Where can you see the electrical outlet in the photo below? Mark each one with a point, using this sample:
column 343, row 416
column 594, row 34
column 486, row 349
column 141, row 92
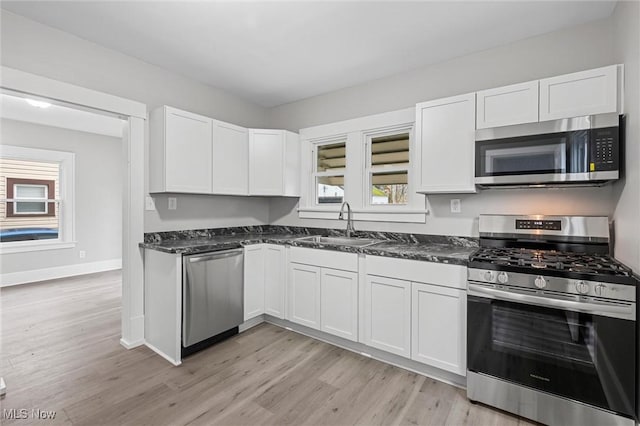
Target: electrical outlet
column 456, row 205
column 173, row 203
column 149, row 203
column 82, row 254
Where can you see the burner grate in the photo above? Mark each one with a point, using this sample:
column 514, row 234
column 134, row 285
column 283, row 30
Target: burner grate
column 551, row 260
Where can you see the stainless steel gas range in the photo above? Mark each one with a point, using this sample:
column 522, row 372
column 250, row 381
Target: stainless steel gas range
column 551, row 321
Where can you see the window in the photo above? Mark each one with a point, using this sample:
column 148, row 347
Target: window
column 366, row 161
column 36, row 189
column 38, row 195
column 330, row 167
column 388, row 169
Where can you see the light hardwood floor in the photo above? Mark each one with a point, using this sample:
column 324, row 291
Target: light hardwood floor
column 61, row 352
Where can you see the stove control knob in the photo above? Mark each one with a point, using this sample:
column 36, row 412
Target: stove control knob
column 540, row 282
column 582, row 287
column 503, row 278
column 489, row 276
column 600, row 289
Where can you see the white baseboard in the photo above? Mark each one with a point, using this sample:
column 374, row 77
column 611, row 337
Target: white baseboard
column 250, row 323
column 162, row 354
column 35, row 275
column 131, row 345
column 362, row 349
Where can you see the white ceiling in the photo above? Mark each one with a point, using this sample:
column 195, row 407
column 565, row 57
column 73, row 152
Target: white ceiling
column 16, row 108
column 278, row 52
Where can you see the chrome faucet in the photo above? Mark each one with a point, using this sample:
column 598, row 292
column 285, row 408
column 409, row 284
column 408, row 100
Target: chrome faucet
column 350, row 229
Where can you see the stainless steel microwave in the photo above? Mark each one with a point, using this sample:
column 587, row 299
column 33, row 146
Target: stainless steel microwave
column 581, row 150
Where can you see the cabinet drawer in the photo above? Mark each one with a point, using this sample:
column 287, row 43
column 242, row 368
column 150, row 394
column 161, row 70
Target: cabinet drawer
column 324, row 258
column 414, row 270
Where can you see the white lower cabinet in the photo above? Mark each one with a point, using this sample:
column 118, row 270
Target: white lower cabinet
column 387, row 315
column 264, row 280
column 425, row 322
column 438, row 327
column 304, row 295
column 254, row 279
column 339, row 303
column 274, row 280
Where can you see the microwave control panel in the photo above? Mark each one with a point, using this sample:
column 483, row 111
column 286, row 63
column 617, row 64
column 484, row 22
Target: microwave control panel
column 604, row 149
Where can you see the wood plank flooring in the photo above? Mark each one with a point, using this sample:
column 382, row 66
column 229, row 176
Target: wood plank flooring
column 61, row 352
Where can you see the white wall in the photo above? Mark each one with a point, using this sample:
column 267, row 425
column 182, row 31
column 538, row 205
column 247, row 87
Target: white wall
column 32, row 47
column 626, row 20
column 98, row 194
column 35, row 48
column 583, row 47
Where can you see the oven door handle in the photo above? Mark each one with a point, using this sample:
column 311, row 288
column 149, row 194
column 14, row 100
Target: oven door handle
column 616, row 310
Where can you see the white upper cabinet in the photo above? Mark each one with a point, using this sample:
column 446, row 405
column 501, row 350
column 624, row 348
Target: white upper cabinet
column 504, row 106
column 581, row 93
column 438, row 327
column 190, row 153
column 445, row 137
column 230, row 159
column 180, row 152
column 274, row 163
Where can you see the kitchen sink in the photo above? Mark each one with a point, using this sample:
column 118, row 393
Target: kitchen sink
column 340, row 241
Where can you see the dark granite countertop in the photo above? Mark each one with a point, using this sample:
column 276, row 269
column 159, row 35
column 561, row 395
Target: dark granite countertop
column 441, row 249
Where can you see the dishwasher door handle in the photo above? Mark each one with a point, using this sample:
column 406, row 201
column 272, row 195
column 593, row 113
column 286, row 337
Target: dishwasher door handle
column 219, row 255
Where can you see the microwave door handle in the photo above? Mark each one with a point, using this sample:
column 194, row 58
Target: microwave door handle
column 623, row 311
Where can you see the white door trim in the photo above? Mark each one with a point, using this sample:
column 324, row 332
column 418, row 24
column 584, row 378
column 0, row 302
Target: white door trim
column 133, row 194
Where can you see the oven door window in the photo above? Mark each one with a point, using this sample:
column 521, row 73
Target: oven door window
column 567, row 338
column 584, row 357
column 556, row 153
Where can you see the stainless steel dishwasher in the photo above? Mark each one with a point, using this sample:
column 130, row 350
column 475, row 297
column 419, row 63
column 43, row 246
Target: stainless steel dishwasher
column 212, row 298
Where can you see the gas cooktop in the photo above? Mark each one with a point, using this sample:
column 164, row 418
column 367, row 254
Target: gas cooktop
column 594, row 267
column 566, row 247
column 551, row 260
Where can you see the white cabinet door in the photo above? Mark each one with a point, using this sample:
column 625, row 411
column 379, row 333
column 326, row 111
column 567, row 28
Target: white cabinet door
column 581, row 93
column 339, row 303
column 187, row 156
column 304, row 295
column 439, row 327
column 387, row 315
column 266, row 170
column 291, row 164
column 253, row 281
column 274, row 280
column 230, row 159
column 504, row 106
column 445, row 138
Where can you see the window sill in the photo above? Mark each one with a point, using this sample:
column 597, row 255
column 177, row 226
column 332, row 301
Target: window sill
column 371, row 215
column 28, row 246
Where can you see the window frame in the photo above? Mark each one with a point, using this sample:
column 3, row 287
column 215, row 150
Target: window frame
column 315, row 174
column 357, row 181
column 370, row 169
column 13, row 183
column 66, row 200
